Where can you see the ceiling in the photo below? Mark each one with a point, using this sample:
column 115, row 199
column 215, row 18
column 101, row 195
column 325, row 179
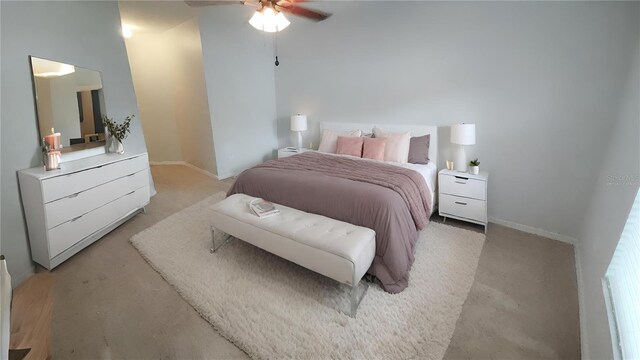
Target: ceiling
column 155, row 16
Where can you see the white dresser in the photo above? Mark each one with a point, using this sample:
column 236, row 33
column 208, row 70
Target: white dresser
column 463, row 196
column 70, row 208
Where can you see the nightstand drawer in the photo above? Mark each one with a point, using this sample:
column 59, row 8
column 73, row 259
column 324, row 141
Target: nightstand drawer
column 462, row 207
column 460, row 185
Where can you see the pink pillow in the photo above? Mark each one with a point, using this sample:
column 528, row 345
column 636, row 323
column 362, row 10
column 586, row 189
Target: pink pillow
column 349, row 146
column 374, row 148
column 329, row 139
column 397, row 148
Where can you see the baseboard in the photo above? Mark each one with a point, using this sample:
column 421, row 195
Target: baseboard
column 16, row 280
column 535, row 231
column 167, row 162
column 202, row 171
column 189, row 165
column 226, row 176
column 584, row 345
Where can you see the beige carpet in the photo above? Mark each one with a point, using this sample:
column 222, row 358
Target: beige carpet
column 271, row 308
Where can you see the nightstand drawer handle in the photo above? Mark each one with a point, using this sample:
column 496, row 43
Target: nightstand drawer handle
column 460, row 203
column 460, row 182
column 460, row 177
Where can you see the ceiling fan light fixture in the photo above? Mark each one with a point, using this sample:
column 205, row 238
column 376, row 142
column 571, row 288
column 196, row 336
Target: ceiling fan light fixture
column 281, row 21
column 268, row 20
column 269, row 24
column 257, row 20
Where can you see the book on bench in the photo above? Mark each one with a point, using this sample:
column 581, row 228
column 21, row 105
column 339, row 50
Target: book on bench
column 263, row 208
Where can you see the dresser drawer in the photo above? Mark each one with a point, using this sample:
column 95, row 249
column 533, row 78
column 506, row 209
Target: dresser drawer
column 71, row 232
column 463, row 207
column 61, row 186
column 461, row 185
column 74, row 205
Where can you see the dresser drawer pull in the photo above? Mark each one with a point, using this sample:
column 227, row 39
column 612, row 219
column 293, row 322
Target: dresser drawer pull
column 460, row 182
column 76, row 218
column 460, row 203
column 130, row 175
column 73, row 195
column 130, row 193
column 461, row 177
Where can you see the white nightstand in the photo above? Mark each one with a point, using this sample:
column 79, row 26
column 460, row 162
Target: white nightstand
column 289, row 151
column 463, row 196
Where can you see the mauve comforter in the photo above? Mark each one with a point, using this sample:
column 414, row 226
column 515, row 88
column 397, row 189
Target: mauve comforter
column 391, row 200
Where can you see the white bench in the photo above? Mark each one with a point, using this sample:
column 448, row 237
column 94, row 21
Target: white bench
column 333, row 248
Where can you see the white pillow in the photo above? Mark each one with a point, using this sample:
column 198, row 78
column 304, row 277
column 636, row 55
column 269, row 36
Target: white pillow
column 329, row 140
column 397, row 148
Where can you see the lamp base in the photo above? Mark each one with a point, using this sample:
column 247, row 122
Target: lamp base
column 299, row 142
column 460, row 161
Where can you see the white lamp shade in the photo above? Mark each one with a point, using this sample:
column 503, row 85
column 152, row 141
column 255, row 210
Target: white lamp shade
column 281, row 22
column 463, row 134
column 257, row 20
column 299, row 123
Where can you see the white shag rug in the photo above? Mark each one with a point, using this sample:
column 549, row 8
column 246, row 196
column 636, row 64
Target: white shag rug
column 271, row 308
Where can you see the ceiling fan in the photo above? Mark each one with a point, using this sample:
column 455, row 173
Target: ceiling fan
column 269, row 15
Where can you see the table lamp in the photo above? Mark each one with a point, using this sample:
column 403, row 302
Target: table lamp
column 299, row 124
column 462, row 134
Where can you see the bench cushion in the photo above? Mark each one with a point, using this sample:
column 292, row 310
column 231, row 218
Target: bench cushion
column 330, row 247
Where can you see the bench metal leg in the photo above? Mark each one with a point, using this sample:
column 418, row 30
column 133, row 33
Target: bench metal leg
column 218, row 239
column 355, row 299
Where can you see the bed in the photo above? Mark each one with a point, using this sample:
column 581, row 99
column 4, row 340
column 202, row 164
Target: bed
column 429, row 171
column 395, row 200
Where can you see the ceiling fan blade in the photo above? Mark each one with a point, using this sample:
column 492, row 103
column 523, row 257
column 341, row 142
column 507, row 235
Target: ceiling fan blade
column 290, row 2
column 200, row 3
column 251, row 3
column 314, row 15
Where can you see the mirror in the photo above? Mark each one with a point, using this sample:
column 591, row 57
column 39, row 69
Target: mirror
column 70, row 101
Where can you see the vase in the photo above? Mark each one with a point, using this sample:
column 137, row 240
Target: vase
column 114, row 145
column 474, row 170
column 449, row 165
column 118, row 148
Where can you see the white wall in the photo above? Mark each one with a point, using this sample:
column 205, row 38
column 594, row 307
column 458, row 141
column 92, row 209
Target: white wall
column 238, row 66
column 85, row 34
column 151, row 59
column 191, row 101
column 172, row 95
column 540, row 79
column 617, row 185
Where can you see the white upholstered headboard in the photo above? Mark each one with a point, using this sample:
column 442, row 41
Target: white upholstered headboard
column 416, row 130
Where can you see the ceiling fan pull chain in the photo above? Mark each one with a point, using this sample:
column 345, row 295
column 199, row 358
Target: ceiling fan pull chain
column 275, row 38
